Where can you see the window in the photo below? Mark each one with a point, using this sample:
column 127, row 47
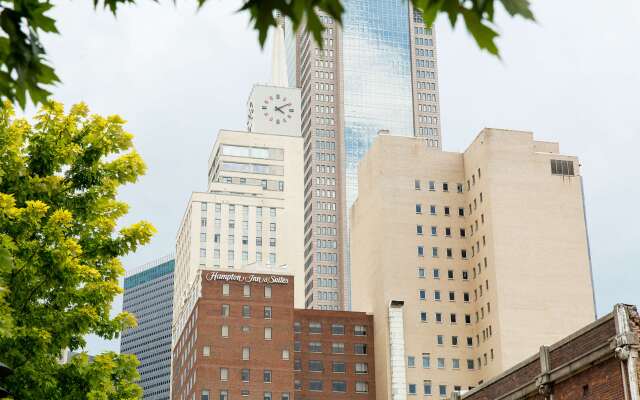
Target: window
column 427, row 388
column 467, row 319
column 438, row 318
column 360, row 330
column 267, row 333
column 411, row 362
column 338, row 367
column 362, row 387
column 440, row 340
column 443, row 390
column 423, row 294
column 459, row 186
column 361, row 368
column 315, row 385
column 436, row 295
column 465, row 297
column 417, row 184
column 453, row 318
column 562, row 167
column 267, row 312
column 421, row 273
column 440, row 363
column 205, row 393
column 450, row 274
column 446, row 211
column 315, row 327
column 285, row 396
column 454, row 340
column 337, row 348
column 412, row 388
column 420, row 251
column 246, row 311
column 224, row 374
column 449, row 253
column 436, row 273
column 315, row 366
column 455, row 363
column 267, row 292
column 434, row 252
column 267, row 396
column 224, row 395
column 315, row 347
column 469, row 364
column 465, row 275
column 224, row 331
column 225, row 289
column 419, row 229
column 418, row 209
column 337, row 329
column 360, row 348
column 339, row 386
column 426, row 360
column 469, row 341
column 447, row 232
column 423, row 316
column 206, row 351
column 245, row 353
column 461, row 211
column 432, row 185
column 452, row 296
column 432, row 210
column 445, row 187
column 285, row 354
column 245, row 375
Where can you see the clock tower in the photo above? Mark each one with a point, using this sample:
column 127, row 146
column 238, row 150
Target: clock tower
column 275, row 108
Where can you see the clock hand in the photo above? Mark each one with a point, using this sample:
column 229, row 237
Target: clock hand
column 282, row 106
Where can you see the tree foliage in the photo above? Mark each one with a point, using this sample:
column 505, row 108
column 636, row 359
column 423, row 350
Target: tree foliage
column 25, row 71
column 59, row 271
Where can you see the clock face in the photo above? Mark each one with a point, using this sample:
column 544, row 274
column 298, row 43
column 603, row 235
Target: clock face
column 277, row 109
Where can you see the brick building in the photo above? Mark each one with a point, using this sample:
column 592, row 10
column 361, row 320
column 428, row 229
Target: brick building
column 599, row 362
column 239, row 337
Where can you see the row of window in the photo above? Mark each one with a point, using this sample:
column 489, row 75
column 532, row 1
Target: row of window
column 431, row 186
column 224, row 395
column 440, row 362
column 337, row 367
column 435, row 252
column 336, row 329
column 337, row 386
column 433, row 210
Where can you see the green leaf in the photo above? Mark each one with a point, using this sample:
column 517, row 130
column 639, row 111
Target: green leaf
column 518, row 7
column 483, row 34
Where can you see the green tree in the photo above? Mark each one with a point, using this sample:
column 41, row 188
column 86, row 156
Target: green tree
column 24, row 69
column 59, row 274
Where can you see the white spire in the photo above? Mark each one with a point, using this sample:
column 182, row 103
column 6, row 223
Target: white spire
column 278, row 61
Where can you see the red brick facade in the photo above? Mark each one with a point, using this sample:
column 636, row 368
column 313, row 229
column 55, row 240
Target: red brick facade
column 239, row 343
column 589, row 365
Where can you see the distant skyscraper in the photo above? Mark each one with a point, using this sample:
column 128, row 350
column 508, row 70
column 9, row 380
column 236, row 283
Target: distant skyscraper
column 377, row 71
column 148, row 294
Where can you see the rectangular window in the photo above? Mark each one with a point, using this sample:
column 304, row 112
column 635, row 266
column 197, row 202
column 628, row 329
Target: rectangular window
column 434, row 252
column 470, row 364
column 426, row 360
column 443, row 390
column 436, row 273
column 440, row 340
column 418, row 229
column 267, row 333
column 420, row 251
column 315, row 385
column 361, row 368
column 432, row 210
column 421, row 273
column 362, row 387
column 315, row 347
column 423, row 316
column 418, row 209
column 245, row 375
column 411, row 389
column 315, row 327
column 360, row 348
column 267, row 312
column 440, row 363
column 225, row 310
column 246, row 291
column 562, row 167
column 337, row 329
column 337, row 348
column 206, row 351
column 267, row 292
column 338, row 367
column 339, row 386
column 224, row 374
column 315, row 366
column 360, row 330
column 245, row 353
column 246, row 311
column 432, row 185
column 417, row 184
column 434, row 231
column 224, row 331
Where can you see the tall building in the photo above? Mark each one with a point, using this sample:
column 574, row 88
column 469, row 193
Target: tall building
column 469, row 261
column 252, row 212
column 376, row 71
column 148, row 294
column 243, row 338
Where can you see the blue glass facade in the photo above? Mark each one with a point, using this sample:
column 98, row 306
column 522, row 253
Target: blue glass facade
column 377, row 86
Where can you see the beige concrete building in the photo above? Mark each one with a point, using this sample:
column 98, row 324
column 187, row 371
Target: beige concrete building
column 376, row 70
column 252, row 213
column 469, row 261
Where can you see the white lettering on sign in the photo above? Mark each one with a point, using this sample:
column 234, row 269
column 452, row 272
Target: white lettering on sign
column 231, row 277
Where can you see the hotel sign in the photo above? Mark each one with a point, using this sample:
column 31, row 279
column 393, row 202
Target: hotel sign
column 252, row 278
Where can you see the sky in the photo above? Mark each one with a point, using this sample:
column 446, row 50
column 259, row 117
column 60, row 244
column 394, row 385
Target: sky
column 178, row 75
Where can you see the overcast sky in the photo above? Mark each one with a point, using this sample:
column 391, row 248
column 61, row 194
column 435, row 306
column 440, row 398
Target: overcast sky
column 178, row 76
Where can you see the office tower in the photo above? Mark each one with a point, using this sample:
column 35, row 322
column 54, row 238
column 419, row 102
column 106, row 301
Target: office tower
column 252, row 213
column 243, row 338
column 469, row 261
column 148, row 294
column 376, row 71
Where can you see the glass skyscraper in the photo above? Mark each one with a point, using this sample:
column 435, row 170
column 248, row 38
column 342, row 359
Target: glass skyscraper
column 377, row 71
